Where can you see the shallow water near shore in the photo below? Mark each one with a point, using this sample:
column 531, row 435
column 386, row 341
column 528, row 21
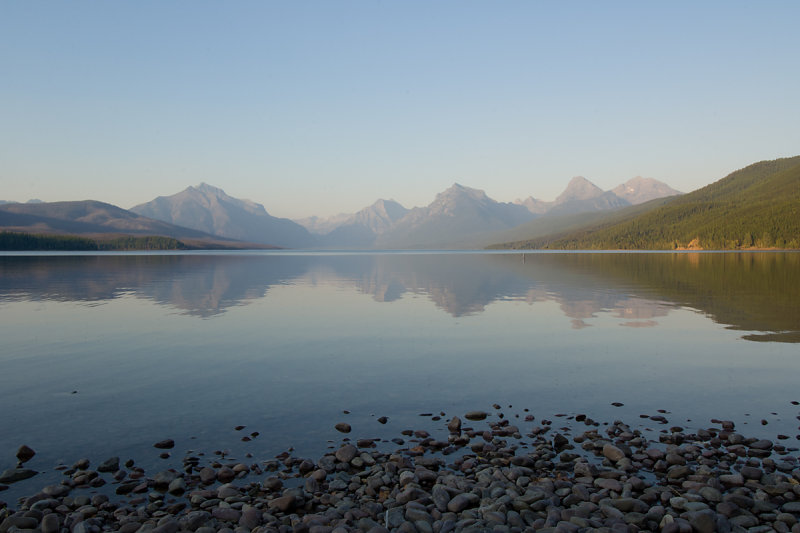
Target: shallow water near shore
column 104, row 355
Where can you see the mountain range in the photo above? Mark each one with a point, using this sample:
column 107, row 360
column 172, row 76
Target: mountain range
column 756, row 203
column 210, row 210
column 755, row 207
column 462, row 217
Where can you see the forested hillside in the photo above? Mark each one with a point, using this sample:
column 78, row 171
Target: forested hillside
column 755, row 207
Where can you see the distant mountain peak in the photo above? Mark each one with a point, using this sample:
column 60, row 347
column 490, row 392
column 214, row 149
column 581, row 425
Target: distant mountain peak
column 639, row 190
column 209, row 209
column 579, row 188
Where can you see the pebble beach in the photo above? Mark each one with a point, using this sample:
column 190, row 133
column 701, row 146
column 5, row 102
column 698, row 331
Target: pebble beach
column 479, row 471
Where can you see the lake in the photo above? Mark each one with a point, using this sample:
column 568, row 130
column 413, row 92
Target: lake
column 106, row 354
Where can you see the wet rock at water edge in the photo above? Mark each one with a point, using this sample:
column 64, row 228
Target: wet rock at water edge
column 476, row 415
column 454, row 426
column 343, row 427
column 25, row 454
column 346, row 453
column 109, row 465
column 166, row 444
column 13, row 475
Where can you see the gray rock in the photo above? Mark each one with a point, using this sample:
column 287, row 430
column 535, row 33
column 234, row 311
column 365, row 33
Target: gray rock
column 394, row 517
column 225, row 474
column 51, row 523
column 19, row 522
column 226, row 515
column 610, row 484
column 612, row 453
column 702, row 521
column 732, row 480
column 56, row 491
column 195, row 519
column 13, row 475
column 226, row 491
column 283, row 504
column 251, row 517
column 476, row 415
column 170, row 525
column 462, row 501
column 710, row 494
column 415, row 514
column 25, row 454
column 109, row 465
column 207, row 475
column 165, row 444
column 454, row 425
column 177, row 486
column 791, row 507
column 346, row 453
column 440, row 497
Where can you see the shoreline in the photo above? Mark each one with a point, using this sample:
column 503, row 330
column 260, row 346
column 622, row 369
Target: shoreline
column 491, row 473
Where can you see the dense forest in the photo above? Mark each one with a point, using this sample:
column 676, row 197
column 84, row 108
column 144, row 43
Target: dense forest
column 755, row 207
column 11, row 241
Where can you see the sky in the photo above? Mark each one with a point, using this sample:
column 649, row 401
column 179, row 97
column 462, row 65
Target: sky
column 320, row 107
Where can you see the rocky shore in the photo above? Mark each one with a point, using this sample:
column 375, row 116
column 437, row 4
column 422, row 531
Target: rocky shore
column 484, row 472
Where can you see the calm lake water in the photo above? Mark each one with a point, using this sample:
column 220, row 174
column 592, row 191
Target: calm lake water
column 106, row 354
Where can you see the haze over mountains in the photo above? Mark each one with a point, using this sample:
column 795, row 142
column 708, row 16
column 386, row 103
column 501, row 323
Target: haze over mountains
column 754, row 207
column 87, row 217
column 209, row 209
column 459, row 217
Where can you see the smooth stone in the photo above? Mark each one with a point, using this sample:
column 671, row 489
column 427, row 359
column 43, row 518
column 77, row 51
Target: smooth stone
column 734, row 480
column 177, row 486
column 394, row 517
column 196, row 519
column 414, row 514
column 168, row 526
column 343, row 427
column 610, row 484
column 109, row 465
column 710, row 494
column 612, row 453
column 56, row 491
column 251, row 517
column 19, row 522
column 226, row 515
column 225, row 474
column 50, row 523
column 346, row 453
column 226, row 491
column 791, row 507
column 13, row 475
column 440, row 497
column 207, row 475
column 283, row 504
column 762, row 444
column 454, row 426
column 476, row 415
column 702, row 521
column 462, row 501
column 751, row 472
column 165, row 444
column 679, row 472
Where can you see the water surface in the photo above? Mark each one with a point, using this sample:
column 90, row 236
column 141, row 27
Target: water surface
column 106, row 354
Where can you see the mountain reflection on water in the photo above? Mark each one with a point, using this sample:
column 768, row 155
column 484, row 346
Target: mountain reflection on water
column 754, row 292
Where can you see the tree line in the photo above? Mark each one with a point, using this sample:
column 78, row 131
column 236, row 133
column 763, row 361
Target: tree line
column 13, row 241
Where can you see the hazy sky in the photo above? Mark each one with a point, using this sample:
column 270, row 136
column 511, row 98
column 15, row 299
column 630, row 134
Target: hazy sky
column 324, row 107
